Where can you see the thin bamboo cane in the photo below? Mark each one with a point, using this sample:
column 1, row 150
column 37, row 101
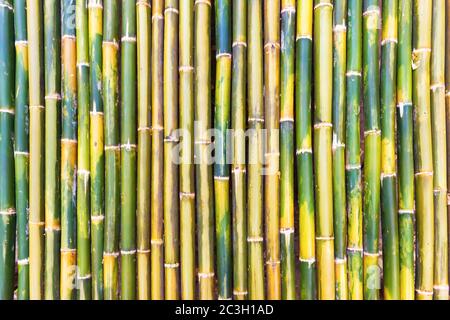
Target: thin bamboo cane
column 96, row 151
column 305, row 188
column 447, row 105
column 68, row 153
column 7, row 194
column 36, row 174
column 287, row 149
column 157, row 255
column 422, row 16
column 438, row 127
column 52, row 54
column 128, row 141
column 204, row 177
column 171, row 205
column 353, row 147
column 390, row 231
column 143, row 12
column 323, row 66
column 187, row 191
column 110, row 81
column 372, row 149
column 83, row 171
column 338, row 147
column 255, row 151
column 21, row 149
column 405, row 151
column 272, row 148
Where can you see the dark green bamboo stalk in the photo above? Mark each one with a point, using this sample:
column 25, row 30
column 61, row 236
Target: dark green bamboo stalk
column 36, row 173
column 171, row 205
column 339, row 192
column 52, row 56
column 112, row 149
column 21, row 149
column 438, row 127
column 143, row 12
column 353, row 155
column 303, row 69
column 157, row 255
column 7, row 195
column 390, row 231
column 96, row 151
column 187, row 191
column 221, row 167
column 372, row 149
column 128, row 152
column 255, row 151
column 204, row 175
column 405, row 151
column 68, row 153
column 423, row 148
column 287, row 241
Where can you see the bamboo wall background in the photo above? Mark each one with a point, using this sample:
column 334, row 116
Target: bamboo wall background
column 332, row 185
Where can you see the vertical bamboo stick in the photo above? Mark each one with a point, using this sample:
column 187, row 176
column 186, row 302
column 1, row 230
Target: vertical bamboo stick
column 447, row 104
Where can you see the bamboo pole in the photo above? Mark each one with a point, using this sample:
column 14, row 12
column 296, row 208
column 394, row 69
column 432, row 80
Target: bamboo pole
column 390, row 231
column 338, row 147
column 422, row 16
column 110, row 80
column 171, row 205
column 157, row 255
column 52, row 54
column 128, row 82
column 438, row 127
column 287, row 149
column 405, row 150
column 352, row 154
column 7, row 195
column 96, row 150
column 21, row 149
column 304, row 156
column 36, row 173
column 447, row 104
column 255, row 151
column 143, row 12
column 204, row 175
column 83, row 171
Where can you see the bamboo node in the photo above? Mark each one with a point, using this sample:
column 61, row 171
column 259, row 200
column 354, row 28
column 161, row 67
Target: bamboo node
column 85, row 277
column 111, row 43
column 186, row 68
column 222, row 298
column 143, row 3
column 238, row 170
column 440, row 190
column 8, row 212
column 23, row 262
column 353, row 74
column 272, row 45
column 239, row 43
column 205, row 275
column 255, row 239
column 207, row 2
column 128, row 252
column 330, row 238
column 37, row 107
column 171, row 9
column 170, row 139
column 7, row 6
column 389, row 40
column 288, row 9
column 22, row 153
column 441, row 287
column 128, row 146
column 37, row 223
column 355, row 249
column 187, row 195
column 144, row 129
column 157, row 16
column 96, row 113
column 143, row 251
column 340, row 260
column 19, row 43
column 273, row 262
column 98, row 218
column 370, row 254
column 223, row 55
column 240, row 293
column 286, row 119
column 337, row 145
column 287, row 231
column 424, row 292
column 304, row 150
column 340, row 28
column 68, row 250
column 405, row 211
column 157, row 242
column 157, row 128
column 205, row 142
column 112, row 148
column 375, row 132
column 68, row 37
column 111, row 254
column 256, row 120
column 53, row 96
column 82, row 64
column 309, row 261
column 222, row 178
column 94, row 5
column 424, row 173
column 128, row 39
column 52, row 228
column 323, row 125
column 304, row 36
column 437, row 86
column 388, row 175
column 84, row 172
column 9, row 111
column 375, row 11
column 323, row 4
column 171, row 265
column 69, row 141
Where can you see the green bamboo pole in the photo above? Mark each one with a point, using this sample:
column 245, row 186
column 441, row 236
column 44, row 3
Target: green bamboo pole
column 339, row 192
column 423, row 148
column 287, row 150
column 272, row 149
column 36, row 173
column 52, row 54
column 110, row 82
column 204, row 175
column 353, row 155
column 372, row 149
column 68, row 153
column 405, row 150
column 390, row 231
column 143, row 12
column 157, row 255
column 438, row 127
column 238, row 181
column 21, row 149
column 128, row 82
column 187, row 191
column 304, row 156
column 83, row 164
column 7, row 195
column 221, row 167
column 171, row 205
column 255, row 151
column 323, row 66
column 96, row 150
